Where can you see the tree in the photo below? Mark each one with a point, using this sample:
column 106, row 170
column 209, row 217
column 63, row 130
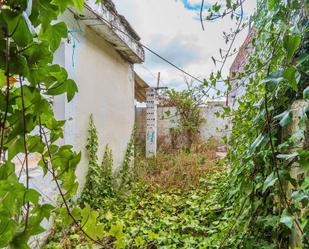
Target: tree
column 188, row 113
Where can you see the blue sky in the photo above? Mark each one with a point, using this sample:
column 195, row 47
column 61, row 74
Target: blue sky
column 196, row 6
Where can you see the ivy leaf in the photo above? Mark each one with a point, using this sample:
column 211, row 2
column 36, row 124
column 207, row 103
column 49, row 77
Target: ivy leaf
column 15, row 147
column 303, row 160
column 257, row 142
column 7, row 170
column 287, row 219
column 17, row 27
column 228, row 4
column 2, row 78
column 168, row 113
column 8, row 228
column 271, row 4
column 306, row 93
column 32, row 196
column 285, row 118
column 273, row 80
column 293, row 77
column 61, row 4
column 291, row 43
column 269, row 182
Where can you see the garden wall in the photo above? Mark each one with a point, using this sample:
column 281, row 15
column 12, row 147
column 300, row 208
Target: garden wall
column 214, row 126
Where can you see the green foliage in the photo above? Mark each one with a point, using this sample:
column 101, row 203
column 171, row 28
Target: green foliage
column 146, row 217
column 267, row 193
column 124, row 173
column 28, row 125
column 188, row 113
column 99, row 182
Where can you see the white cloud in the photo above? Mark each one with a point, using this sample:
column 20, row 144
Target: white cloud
column 172, row 30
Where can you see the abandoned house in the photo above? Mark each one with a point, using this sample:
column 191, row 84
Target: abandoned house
column 100, row 58
column 99, row 55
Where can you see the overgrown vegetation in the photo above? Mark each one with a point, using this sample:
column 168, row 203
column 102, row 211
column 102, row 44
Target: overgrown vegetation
column 99, row 184
column 29, row 36
column 188, row 115
column 179, row 201
column 178, row 209
column 268, row 186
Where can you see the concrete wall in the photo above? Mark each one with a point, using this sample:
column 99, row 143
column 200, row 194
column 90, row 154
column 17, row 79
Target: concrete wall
column 106, row 89
column 214, row 127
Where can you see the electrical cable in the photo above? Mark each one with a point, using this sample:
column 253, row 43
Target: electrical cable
column 98, row 17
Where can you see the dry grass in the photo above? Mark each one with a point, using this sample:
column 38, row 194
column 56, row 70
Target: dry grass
column 178, row 170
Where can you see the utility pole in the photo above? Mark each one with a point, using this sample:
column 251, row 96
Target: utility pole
column 158, row 80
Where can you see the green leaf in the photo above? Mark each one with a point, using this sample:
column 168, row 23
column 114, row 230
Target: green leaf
column 7, row 170
column 273, row 80
column 293, row 77
column 71, row 89
column 2, row 78
column 32, row 196
column 285, row 118
column 16, row 147
column 303, row 160
column 287, row 219
column 53, row 34
column 291, row 44
column 79, row 5
column 269, row 182
column 62, row 4
column 22, row 35
column 271, row 4
column 306, row 93
column 257, row 142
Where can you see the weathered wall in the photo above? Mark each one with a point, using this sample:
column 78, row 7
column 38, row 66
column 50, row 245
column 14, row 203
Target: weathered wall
column 213, row 128
column 106, row 89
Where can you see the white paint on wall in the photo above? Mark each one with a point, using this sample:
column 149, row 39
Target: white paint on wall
column 106, row 89
column 214, row 126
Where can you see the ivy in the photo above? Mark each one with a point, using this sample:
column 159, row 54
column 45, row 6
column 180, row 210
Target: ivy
column 267, row 192
column 99, row 180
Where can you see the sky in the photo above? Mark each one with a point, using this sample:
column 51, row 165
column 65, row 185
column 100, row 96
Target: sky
column 172, row 28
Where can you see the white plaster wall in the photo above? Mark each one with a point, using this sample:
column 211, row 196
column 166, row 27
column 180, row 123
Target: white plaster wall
column 214, row 127
column 105, row 89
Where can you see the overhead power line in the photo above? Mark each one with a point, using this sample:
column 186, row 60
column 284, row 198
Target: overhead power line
column 98, row 17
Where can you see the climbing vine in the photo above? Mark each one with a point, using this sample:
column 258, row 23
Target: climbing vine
column 99, row 182
column 269, row 191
